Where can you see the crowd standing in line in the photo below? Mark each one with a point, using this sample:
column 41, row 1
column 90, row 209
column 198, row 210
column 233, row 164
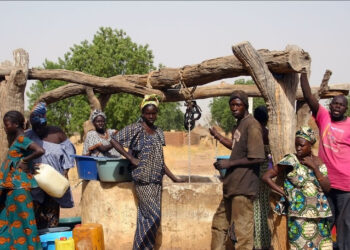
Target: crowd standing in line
column 309, row 198
column 58, row 151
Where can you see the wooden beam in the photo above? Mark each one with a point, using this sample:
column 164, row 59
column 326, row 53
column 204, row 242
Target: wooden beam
column 222, row 89
column 191, row 75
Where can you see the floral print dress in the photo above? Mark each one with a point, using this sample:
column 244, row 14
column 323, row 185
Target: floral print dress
column 307, row 207
column 17, row 221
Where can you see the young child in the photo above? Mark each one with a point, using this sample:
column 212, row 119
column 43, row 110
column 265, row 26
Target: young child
column 303, row 198
column 17, row 221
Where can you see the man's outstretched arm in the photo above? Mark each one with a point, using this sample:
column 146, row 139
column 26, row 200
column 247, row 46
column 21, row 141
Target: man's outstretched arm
column 309, row 98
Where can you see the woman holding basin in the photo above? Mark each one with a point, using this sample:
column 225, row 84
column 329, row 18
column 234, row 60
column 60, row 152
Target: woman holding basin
column 145, row 142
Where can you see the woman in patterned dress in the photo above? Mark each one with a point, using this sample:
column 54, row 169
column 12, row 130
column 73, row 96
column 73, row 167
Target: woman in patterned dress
column 303, row 198
column 97, row 142
column 262, row 235
column 145, row 142
column 58, row 151
column 17, row 220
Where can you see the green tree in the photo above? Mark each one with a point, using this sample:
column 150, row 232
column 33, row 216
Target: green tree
column 110, row 53
column 348, row 110
column 220, row 110
column 221, row 113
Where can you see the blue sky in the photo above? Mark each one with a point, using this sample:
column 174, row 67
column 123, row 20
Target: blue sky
column 183, row 33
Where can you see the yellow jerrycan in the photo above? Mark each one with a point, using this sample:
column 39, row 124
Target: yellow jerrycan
column 64, row 244
column 89, row 236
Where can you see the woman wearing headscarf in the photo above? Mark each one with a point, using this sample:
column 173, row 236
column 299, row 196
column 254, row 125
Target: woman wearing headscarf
column 17, row 221
column 145, row 142
column 97, row 141
column 303, row 195
column 262, row 235
column 58, row 151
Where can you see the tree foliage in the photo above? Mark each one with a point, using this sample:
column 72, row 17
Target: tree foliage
column 110, row 53
column 220, row 110
column 348, row 110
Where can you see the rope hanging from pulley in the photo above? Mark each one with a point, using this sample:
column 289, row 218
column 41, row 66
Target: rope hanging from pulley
column 192, row 114
column 193, row 111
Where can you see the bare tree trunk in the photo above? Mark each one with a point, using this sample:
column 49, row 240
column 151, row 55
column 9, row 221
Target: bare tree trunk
column 12, row 91
column 279, row 92
column 95, row 103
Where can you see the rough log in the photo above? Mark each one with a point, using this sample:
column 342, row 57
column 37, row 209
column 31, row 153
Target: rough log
column 12, row 91
column 104, row 98
column 222, row 89
column 94, row 102
column 279, row 92
column 192, row 75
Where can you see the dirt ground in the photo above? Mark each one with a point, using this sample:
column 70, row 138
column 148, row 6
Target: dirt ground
column 196, row 160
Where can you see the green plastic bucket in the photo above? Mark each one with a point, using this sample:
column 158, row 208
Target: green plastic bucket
column 113, row 170
column 69, row 222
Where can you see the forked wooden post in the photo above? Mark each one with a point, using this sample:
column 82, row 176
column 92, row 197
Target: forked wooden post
column 279, row 92
column 12, row 89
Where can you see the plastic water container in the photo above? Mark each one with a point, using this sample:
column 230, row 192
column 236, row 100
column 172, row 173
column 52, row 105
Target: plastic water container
column 64, row 244
column 222, row 171
column 87, row 168
column 51, row 181
column 48, row 240
column 113, row 170
column 88, row 236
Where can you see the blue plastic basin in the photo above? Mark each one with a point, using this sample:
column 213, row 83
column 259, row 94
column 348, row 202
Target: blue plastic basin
column 113, row 169
column 222, row 171
column 87, row 167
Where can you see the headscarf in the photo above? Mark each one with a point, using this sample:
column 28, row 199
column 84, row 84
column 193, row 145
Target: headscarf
column 240, row 94
column 96, row 113
column 38, row 116
column 306, row 133
column 150, row 99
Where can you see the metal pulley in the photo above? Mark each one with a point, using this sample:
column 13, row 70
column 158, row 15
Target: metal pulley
column 192, row 114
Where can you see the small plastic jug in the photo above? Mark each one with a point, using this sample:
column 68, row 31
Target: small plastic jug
column 88, row 236
column 51, row 181
column 64, row 244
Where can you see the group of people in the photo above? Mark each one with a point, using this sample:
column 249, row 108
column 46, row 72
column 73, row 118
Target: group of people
column 145, row 143
column 316, row 189
column 315, row 194
column 25, row 207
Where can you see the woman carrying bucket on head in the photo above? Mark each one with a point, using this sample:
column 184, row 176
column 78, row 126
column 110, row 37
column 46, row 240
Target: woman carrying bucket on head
column 145, row 142
column 17, row 220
